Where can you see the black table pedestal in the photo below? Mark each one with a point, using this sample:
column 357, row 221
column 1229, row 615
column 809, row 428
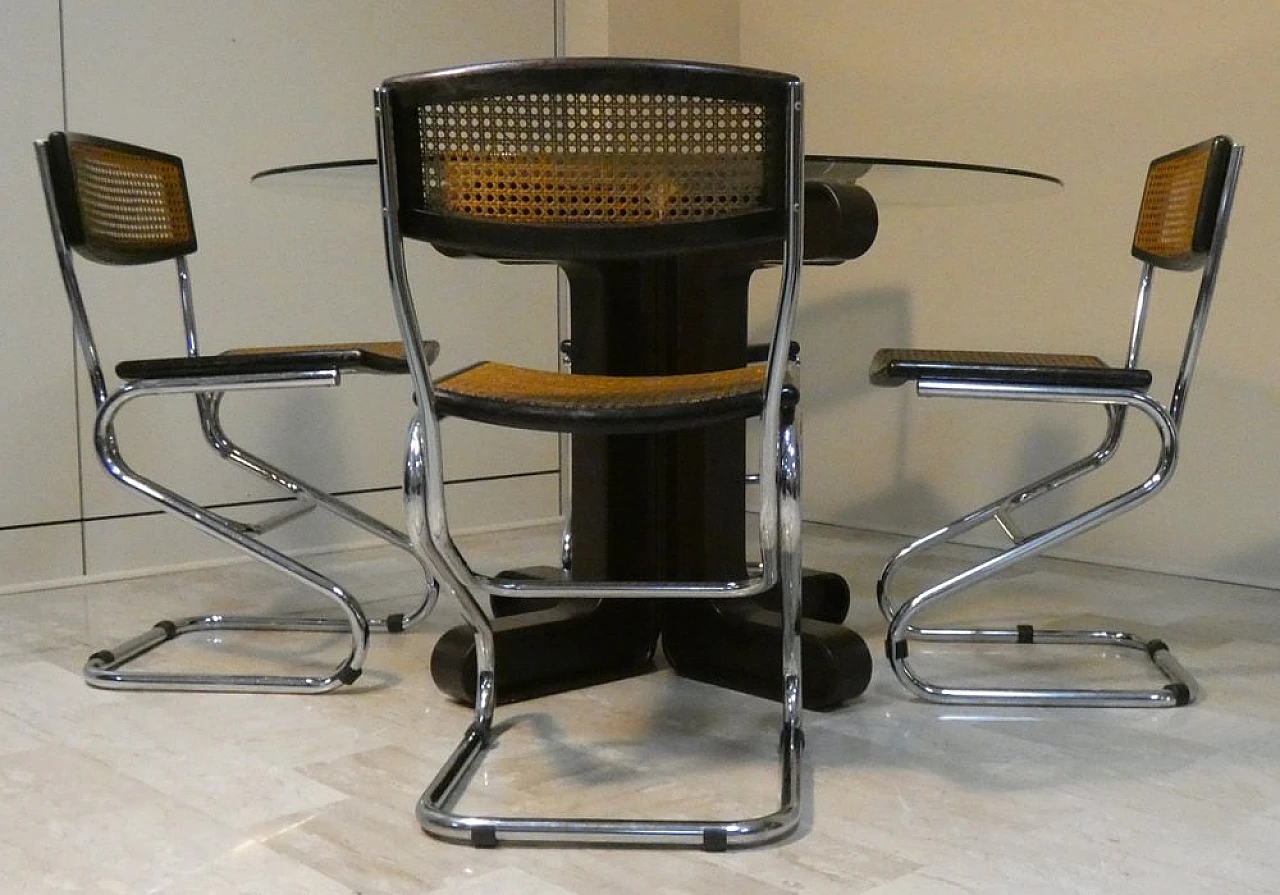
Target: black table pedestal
column 672, row 506
column 547, row 646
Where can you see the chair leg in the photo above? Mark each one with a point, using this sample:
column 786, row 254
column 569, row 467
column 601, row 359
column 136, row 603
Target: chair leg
column 1181, row 688
column 435, row 806
column 791, row 572
column 107, row 668
column 395, row 622
column 564, row 446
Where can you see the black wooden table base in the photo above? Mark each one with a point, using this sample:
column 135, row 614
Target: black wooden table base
column 548, row 647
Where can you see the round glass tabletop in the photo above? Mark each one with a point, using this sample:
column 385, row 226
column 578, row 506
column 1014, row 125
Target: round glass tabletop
column 891, row 181
column 353, row 179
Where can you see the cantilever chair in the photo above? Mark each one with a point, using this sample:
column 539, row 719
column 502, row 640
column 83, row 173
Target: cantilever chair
column 1182, row 226
column 573, row 159
column 118, row 204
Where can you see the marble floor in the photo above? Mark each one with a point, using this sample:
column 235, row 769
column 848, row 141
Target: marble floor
column 106, row 791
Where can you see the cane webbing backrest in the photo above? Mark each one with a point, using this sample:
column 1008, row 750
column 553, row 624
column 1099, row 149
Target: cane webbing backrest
column 606, row 159
column 1180, row 204
column 119, row 203
column 567, row 146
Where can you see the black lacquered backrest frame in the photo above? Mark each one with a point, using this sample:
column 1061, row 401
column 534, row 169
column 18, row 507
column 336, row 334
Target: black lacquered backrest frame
column 578, row 158
column 115, row 203
column 118, row 203
column 1181, row 204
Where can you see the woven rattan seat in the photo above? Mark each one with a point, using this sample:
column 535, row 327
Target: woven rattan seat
column 346, row 357
column 536, row 399
column 895, row 366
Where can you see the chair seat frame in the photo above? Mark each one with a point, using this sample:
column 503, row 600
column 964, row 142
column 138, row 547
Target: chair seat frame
column 1038, row 385
column 209, row 380
column 1181, row 687
column 780, row 520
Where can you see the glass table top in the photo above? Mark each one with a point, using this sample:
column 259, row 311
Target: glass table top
column 923, row 182
column 891, row 181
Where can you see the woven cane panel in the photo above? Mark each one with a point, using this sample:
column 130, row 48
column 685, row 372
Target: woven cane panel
column 130, row 201
column 593, row 158
column 388, row 350
column 1170, row 205
column 560, row 391
column 994, row 358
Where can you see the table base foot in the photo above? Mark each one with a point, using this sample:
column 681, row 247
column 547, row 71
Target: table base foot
column 824, row 597
column 737, row 645
column 574, row 644
column 550, row 646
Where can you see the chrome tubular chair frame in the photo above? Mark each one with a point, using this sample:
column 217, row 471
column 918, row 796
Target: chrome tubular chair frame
column 399, row 105
column 1072, row 380
column 208, row 379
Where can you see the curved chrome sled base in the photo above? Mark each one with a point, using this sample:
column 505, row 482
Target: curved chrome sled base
column 711, row 835
column 1181, row 688
column 103, row 667
column 106, row 668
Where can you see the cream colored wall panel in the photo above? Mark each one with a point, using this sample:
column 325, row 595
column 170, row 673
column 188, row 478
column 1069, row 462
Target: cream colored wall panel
column 586, row 27
column 1089, row 91
column 507, row 503
column 37, row 403
column 673, row 29
column 39, row 553
column 152, row 542
column 237, row 87
column 670, row 29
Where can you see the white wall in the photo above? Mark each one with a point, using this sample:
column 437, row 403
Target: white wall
column 664, row 29
column 1089, row 91
column 39, row 537
column 674, row 29
column 235, row 87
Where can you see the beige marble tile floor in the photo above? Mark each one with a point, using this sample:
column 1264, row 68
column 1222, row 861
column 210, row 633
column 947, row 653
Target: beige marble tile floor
column 172, row 793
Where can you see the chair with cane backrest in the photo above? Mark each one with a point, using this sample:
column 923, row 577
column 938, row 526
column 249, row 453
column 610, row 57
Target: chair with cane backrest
column 582, row 159
column 1182, row 226
column 114, row 203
